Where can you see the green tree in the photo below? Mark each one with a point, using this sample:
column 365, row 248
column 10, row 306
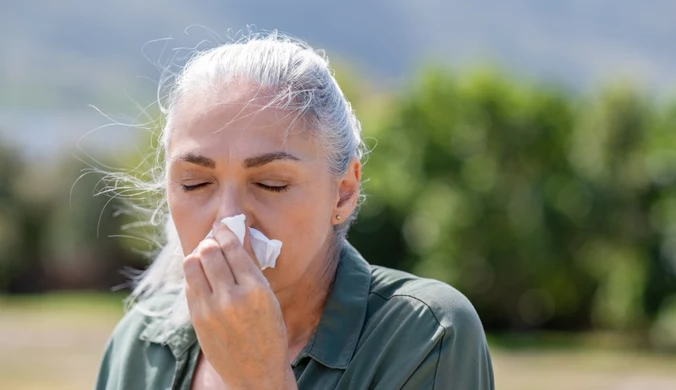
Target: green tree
column 546, row 209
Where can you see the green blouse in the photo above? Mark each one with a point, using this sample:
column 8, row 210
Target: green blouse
column 380, row 329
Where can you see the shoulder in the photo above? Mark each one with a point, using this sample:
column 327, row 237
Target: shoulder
column 424, row 311
column 439, row 303
column 139, row 318
column 131, row 332
column 129, row 357
column 429, row 333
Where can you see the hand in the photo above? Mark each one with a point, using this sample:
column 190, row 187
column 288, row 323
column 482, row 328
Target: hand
column 236, row 315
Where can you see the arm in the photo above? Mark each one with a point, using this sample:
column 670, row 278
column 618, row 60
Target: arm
column 104, row 381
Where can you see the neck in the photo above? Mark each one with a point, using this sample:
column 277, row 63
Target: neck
column 302, row 304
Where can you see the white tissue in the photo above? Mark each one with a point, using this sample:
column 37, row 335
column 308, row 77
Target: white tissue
column 266, row 250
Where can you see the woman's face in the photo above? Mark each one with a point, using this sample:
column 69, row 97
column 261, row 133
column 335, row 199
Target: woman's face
column 235, row 158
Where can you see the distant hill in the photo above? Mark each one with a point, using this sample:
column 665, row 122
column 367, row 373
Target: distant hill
column 64, row 55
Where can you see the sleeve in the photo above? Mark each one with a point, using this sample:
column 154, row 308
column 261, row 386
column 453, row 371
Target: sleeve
column 106, row 377
column 459, row 361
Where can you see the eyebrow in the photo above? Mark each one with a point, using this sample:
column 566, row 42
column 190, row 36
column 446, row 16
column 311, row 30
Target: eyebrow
column 251, row 162
column 266, row 158
column 197, row 160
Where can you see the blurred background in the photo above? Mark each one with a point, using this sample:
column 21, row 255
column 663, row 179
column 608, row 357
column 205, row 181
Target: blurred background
column 523, row 151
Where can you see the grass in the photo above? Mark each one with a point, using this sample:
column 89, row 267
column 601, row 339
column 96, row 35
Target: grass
column 55, row 341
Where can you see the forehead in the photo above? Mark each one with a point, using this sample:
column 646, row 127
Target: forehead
column 239, row 119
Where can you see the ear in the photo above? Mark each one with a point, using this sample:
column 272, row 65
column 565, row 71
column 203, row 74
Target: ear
column 348, row 193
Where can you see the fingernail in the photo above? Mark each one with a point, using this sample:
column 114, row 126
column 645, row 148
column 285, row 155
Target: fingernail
column 216, row 225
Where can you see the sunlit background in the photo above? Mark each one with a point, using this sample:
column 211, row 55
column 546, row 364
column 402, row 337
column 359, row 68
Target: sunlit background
column 523, row 151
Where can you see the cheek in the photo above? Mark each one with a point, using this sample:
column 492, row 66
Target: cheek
column 191, row 221
column 303, row 226
column 305, row 211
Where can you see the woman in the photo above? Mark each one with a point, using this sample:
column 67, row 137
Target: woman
column 261, row 128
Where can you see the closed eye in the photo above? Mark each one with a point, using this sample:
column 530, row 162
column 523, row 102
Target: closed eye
column 272, row 188
column 194, row 187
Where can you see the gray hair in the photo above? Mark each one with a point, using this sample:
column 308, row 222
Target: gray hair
column 301, row 81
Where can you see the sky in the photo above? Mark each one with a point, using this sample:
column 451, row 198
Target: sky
column 62, row 58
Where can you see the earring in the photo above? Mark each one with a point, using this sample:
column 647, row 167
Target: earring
column 338, row 217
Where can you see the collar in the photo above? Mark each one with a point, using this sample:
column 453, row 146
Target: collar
column 337, row 334
column 335, row 339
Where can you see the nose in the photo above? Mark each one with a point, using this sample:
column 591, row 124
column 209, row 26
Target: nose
column 230, row 203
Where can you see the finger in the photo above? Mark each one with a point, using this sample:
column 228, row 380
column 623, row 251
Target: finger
column 215, row 266
column 194, row 303
column 242, row 264
column 195, row 276
column 249, row 248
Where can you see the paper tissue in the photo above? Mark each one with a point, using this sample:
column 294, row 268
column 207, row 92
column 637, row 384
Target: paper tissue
column 266, row 250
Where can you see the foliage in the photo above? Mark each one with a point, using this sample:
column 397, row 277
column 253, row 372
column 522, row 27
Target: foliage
column 545, row 209
column 55, row 233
